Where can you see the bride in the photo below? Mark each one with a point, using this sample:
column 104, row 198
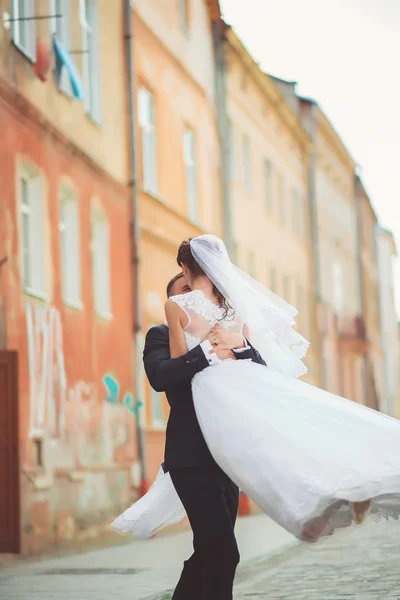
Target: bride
column 312, row 461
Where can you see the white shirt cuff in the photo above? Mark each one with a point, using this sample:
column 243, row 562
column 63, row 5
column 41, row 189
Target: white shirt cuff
column 245, row 347
column 212, row 359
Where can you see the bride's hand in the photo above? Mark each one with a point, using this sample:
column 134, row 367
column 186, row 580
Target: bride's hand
column 222, row 339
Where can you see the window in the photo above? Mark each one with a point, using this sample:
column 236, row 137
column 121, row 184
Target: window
column 302, row 215
column 24, row 32
column 184, row 15
column 61, row 28
column 303, row 307
column 157, row 410
column 286, row 288
column 252, row 264
column 272, row 279
column 191, row 177
column 32, row 217
column 91, row 57
column 231, row 150
column 149, row 147
column 268, row 187
column 246, row 162
column 101, row 264
column 337, row 276
column 70, row 248
column 281, row 199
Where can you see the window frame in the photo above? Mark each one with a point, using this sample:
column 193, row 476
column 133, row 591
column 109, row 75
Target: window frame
column 268, row 186
column 338, row 290
column 61, row 28
column 158, row 422
column 247, row 174
column 90, row 35
column 32, row 285
column 100, row 260
column 190, row 162
column 28, row 28
column 184, row 15
column 67, row 195
column 148, row 134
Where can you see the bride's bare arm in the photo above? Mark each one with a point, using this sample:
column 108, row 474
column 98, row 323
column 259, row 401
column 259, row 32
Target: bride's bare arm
column 177, row 320
column 246, row 332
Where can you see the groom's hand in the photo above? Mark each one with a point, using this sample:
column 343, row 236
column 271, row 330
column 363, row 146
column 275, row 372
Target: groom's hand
column 224, row 340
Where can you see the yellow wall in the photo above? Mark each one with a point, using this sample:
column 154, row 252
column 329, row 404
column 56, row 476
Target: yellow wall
column 271, row 230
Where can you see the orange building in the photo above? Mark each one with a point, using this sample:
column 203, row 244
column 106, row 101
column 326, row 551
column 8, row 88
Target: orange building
column 178, row 159
column 65, row 278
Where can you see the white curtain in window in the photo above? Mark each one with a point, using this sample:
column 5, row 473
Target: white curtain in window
column 32, row 233
column 149, row 145
column 189, row 155
column 101, row 264
column 70, row 249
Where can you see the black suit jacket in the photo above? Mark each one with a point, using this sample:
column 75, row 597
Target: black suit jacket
column 185, row 445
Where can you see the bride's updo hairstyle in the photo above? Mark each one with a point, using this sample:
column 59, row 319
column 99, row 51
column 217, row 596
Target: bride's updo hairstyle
column 185, row 257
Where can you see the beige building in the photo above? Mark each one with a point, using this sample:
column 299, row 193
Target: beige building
column 369, row 275
column 389, row 325
column 342, row 328
column 268, row 172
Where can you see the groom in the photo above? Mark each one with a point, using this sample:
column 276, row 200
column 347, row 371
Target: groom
column 203, row 487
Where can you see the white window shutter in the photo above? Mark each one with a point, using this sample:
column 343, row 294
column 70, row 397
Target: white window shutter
column 37, row 235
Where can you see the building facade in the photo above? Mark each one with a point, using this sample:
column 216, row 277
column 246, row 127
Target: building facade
column 66, row 293
column 178, row 159
column 369, row 267
column 268, row 174
column 389, row 325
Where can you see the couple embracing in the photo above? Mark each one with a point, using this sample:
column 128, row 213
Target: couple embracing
column 229, row 362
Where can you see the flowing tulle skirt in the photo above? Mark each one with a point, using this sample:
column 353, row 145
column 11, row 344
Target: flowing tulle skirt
column 303, row 455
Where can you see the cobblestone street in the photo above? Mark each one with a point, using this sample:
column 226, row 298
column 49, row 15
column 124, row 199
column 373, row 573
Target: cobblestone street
column 358, row 564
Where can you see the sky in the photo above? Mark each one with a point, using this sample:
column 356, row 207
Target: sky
column 345, row 54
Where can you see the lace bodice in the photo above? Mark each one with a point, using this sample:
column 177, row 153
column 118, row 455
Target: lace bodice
column 203, row 315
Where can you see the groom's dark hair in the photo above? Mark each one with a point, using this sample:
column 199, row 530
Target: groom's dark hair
column 172, row 282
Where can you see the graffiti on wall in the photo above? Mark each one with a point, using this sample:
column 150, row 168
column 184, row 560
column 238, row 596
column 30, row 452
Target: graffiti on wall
column 84, row 429
column 48, row 382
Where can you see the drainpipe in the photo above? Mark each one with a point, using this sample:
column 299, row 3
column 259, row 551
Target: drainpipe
column 3, row 321
column 135, row 234
column 312, row 179
column 219, row 29
column 360, row 276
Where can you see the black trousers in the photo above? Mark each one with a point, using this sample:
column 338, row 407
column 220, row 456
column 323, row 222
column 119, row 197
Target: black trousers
column 211, row 501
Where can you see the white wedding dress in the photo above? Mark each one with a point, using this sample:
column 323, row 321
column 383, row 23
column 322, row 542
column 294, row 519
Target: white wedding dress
column 301, row 454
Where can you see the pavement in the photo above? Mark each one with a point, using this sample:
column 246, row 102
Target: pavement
column 361, row 563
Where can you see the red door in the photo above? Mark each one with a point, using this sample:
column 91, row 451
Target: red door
column 9, row 464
